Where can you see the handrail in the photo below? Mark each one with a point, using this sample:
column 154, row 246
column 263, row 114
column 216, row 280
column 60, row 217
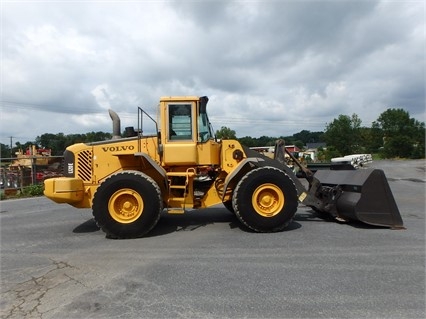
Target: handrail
column 141, row 112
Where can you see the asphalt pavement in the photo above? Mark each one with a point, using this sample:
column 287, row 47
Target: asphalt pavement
column 55, row 263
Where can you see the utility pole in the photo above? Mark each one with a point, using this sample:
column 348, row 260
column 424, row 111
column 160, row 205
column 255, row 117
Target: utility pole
column 11, row 153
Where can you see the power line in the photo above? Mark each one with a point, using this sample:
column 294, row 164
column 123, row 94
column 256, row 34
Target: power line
column 77, row 111
column 44, row 108
column 266, row 121
column 62, row 110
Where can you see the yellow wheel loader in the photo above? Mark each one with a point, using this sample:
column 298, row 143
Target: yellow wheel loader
column 129, row 181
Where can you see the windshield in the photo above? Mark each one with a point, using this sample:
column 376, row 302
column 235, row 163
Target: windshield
column 204, row 127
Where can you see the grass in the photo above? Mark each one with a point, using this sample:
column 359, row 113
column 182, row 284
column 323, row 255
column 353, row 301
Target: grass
column 28, row 191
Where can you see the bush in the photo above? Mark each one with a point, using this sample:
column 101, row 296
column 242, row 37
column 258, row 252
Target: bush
column 33, row 190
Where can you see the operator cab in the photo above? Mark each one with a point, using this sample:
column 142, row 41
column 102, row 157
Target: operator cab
column 187, row 132
column 181, row 126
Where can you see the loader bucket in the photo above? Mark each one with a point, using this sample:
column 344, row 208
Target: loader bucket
column 365, row 196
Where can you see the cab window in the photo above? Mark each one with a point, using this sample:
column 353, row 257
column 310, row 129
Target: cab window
column 180, row 122
column 204, row 128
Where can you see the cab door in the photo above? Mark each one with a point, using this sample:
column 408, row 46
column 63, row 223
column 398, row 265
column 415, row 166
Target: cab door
column 180, row 147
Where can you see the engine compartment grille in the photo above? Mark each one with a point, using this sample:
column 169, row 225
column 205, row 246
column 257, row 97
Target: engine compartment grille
column 84, row 165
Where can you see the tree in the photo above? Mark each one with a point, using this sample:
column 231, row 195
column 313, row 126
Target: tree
column 56, row 142
column 5, row 151
column 24, row 147
column 266, row 141
column 308, row 137
column 299, row 144
column 402, row 136
column 325, row 155
column 98, row 136
column 247, row 141
column 344, row 134
column 372, row 138
column 225, row 133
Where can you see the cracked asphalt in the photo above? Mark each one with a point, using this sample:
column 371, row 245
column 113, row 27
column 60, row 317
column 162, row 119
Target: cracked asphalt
column 55, row 263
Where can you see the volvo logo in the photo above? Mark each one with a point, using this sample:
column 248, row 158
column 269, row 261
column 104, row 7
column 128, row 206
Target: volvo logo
column 118, row 148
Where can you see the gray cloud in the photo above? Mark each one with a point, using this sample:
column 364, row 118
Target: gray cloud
column 269, row 67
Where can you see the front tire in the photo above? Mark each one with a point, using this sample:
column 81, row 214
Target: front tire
column 265, row 199
column 127, row 205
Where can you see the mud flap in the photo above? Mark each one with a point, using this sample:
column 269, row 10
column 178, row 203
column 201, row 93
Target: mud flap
column 359, row 195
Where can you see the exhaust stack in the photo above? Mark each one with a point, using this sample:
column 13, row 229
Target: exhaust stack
column 116, row 129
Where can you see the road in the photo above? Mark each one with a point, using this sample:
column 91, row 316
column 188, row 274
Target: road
column 55, row 263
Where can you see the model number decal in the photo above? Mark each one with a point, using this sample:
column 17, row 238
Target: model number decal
column 118, row 148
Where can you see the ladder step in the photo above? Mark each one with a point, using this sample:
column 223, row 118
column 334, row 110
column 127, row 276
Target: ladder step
column 175, row 210
column 178, row 186
column 182, row 174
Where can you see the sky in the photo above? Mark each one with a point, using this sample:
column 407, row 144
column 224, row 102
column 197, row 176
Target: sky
column 269, row 68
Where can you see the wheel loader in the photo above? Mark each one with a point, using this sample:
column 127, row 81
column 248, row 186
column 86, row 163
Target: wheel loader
column 130, row 180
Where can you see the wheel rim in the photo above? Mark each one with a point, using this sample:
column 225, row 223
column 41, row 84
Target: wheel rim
column 268, row 200
column 125, row 206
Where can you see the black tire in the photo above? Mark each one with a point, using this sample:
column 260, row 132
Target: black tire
column 265, row 199
column 127, row 205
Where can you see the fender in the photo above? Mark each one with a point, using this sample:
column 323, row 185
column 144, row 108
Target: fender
column 159, row 169
column 254, row 162
column 247, row 163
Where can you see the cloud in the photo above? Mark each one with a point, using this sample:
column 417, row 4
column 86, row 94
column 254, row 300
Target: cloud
column 269, row 67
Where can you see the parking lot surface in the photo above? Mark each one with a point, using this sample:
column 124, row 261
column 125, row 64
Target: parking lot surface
column 55, row 263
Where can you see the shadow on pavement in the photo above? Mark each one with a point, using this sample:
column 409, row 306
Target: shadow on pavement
column 88, row 226
column 312, row 216
column 195, row 219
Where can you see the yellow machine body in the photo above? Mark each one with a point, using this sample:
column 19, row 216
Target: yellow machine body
column 186, row 151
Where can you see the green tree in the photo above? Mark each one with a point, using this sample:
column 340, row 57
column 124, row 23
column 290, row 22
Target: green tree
column 344, row 135
column 71, row 139
column 226, row 133
column 23, row 147
column 97, row 136
column 247, row 141
column 5, row 151
column 308, row 137
column 402, row 136
column 325, row 155
column 299, row 144
column 266, row 141
column 56, row 142
column 303, row 136
column 372, row 138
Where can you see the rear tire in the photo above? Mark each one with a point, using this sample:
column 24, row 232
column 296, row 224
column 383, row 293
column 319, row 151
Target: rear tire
column 265, row 199
column 127, row 205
